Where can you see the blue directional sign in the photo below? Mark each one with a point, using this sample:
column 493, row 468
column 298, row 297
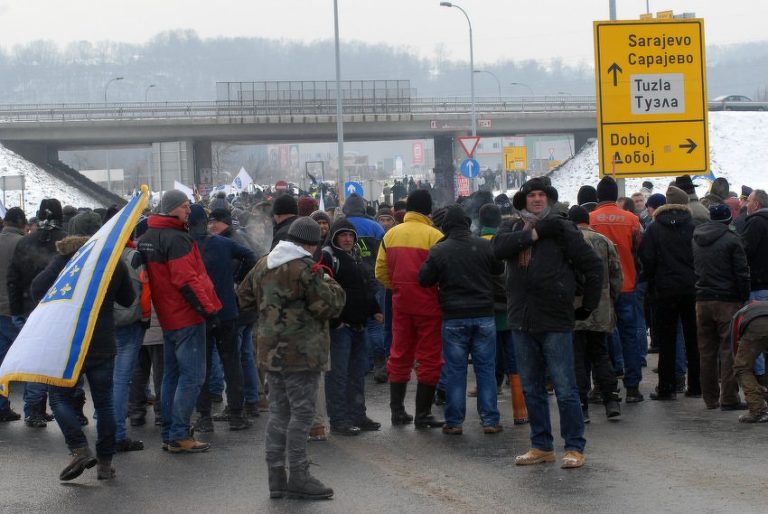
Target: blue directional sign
column 470, row 168
column 353, row 188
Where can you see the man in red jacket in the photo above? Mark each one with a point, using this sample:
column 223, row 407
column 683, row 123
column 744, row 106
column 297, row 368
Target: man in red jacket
column 184, row 299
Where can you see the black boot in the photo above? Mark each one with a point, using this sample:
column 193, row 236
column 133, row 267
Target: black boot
column 82, row 459
column 425, row 394
column 396, row 399
column 278, row 482
column 79, row 402
column 304, row 486
column 612, row 408
column 36, row 418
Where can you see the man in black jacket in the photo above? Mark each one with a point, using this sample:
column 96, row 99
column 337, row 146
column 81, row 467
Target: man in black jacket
column 722, row 287
column 755, row 237
column 345, row 381
column 545, row 252
column 285, row 210
column 97, row 367
column 667, row 257
column 32, row 254
column 463, row 265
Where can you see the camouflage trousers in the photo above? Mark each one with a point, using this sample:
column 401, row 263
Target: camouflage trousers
column 292, row 398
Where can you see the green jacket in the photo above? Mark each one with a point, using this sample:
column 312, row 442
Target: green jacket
column 294, row 301
column 603, row 319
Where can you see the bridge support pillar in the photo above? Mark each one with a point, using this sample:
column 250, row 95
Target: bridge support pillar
column 444, row 190
column 39, row 153
column 203, row 162
column 172, row 160
column 580, row 139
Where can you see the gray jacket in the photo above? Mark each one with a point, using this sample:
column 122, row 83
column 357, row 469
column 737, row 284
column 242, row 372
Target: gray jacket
column 9, row 238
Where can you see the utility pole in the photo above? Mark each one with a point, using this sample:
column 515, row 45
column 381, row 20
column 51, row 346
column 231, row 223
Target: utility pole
column 612, row 16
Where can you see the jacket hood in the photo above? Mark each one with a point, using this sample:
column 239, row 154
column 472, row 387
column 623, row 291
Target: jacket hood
column 354, row 206
column 707, row 233
column 71, row 244
column 340, row 225
column 285, row 251
column 162, row 221
column 672, row 214
column 719, row 189
column 455, row 219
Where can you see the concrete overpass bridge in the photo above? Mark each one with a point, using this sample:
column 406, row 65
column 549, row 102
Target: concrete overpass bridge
column 181, row 133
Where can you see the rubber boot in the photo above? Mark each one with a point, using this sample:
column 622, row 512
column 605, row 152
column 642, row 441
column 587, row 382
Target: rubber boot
column 105, row 471
column 278, row 482
column 82, row 459
column 304, row 486
column 519, row 411
column 396, row 403
column 425, row 394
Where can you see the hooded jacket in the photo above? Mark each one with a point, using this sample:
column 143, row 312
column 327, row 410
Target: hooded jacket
column 540, row 296
column 182, row 293
column 120, row 290
column 32, row 254
column 369, row 232
column 755, row 238
column 280, row 230
column 294, row 301
column 9, row 239
column 623, row 228
column 722, row 272
column 353, row 275
column 666, row 251
column 403, row 250
column 463, row 267
column 718, row 193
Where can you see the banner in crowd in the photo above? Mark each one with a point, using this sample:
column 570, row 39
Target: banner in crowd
column 184, row 189
column 242, row 180
column 53, row 344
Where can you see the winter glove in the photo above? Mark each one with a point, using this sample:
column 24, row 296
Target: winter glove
column 18, row 321
column 548, row 228
column 582, row 313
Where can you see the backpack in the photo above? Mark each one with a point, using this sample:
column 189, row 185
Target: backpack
column 136, row 270
column 742, row 319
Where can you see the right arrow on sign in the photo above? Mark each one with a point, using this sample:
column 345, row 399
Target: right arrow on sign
column 615, row 69
column 691, row 146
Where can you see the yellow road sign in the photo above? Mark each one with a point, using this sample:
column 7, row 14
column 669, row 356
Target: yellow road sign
column 652, row 99
column 515, row 158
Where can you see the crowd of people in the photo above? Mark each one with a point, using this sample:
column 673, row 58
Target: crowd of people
column 287, row 308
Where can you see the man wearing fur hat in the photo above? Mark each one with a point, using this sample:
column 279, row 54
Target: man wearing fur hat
column 667, row 256
column 544, row 252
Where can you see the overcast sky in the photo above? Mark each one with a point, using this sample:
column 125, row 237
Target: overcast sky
column 503, row 29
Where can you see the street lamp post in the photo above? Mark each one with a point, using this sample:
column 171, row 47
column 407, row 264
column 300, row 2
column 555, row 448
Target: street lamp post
column 524, row 85
column 471, row 65
column 492, row 74
column 106, row 86
column 339, row 105
column 146, row 91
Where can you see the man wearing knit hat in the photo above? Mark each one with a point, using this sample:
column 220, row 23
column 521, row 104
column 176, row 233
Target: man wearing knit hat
column 416, row 315
column 184, row 298
column 294, row 300
column 285, row 210
column 623, row 229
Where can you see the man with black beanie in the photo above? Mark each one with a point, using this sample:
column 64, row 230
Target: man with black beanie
column 285, row 210
column 623, row 228
column 416, row 315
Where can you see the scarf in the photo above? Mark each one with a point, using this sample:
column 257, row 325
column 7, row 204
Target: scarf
column 530, row 219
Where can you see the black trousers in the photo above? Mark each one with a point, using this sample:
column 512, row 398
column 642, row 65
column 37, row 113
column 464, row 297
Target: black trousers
column 227, row 341
column 150, row 360
column 592, row 348
column 667, row 311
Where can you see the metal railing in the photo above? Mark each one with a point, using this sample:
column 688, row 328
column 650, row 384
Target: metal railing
column 230, row 110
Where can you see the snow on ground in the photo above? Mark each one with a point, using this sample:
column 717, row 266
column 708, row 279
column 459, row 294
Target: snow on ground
column 38, row 184
column 737, row 141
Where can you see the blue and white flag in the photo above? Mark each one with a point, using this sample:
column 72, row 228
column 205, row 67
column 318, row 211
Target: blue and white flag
column 53, row 344
column 242, row 180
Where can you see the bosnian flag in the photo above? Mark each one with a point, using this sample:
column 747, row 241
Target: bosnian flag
column 242, row 180
column 53, row 344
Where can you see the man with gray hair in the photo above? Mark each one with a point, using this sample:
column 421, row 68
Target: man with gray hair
column 755, row 238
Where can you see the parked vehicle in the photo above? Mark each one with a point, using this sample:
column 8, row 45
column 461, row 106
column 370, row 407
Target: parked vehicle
column 736, row 103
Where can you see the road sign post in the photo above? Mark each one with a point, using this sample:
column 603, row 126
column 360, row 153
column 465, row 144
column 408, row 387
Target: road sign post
column 651, row 97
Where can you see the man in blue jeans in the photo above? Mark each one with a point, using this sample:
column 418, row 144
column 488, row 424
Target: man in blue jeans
column 184, row 300
column 463, row 267
column 540, row 294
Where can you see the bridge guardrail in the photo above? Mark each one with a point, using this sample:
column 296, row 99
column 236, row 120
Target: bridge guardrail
column 214, row 109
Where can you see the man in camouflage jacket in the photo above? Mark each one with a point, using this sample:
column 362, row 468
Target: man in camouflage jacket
column 294, row 300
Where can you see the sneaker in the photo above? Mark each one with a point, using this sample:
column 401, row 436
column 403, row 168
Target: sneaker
column 9, row 415
column 204, row 424
column 572, row 460
column 188, row 445
column 734, row 406
column 492, row 429
column 754, row 417
column 317, row 433
column 535, row 456
column 129, row 445
column 449, row 430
